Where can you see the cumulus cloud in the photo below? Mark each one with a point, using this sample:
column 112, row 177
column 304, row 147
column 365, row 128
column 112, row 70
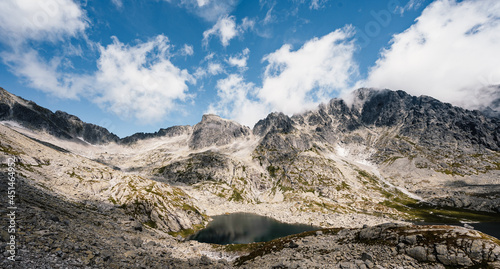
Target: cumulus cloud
column 22, row 20
column 131, row 81
column 293, row 81
column 239, row 60
column 214, row 68
column 450, row 53
column 44, row 75
column 226, row 29
column 235, row 103
column 299, row 80
column 136, row 81
column 140, row 81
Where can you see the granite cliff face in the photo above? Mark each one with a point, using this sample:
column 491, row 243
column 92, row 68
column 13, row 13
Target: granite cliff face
column 382, row 156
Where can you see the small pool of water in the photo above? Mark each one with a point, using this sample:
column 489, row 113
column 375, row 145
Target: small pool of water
column 244, row 228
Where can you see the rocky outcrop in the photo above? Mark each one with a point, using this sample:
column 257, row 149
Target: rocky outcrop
column 457, row 246
column 274, row 123
column 199, row 167
column 215, row 131
column 489, row 202
column 383, row 246
column 157, row 205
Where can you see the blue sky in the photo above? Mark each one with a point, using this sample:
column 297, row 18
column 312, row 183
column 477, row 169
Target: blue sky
column 140, row 65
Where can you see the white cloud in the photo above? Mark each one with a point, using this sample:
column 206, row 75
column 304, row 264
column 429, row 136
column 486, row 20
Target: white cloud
column 214, row 68
column 450, row 53
column 23, row 21
column 200, row 73
column 187, row 50
column 226, row 29
column 240, row 60
column 44, row 75
column 299, row 80
column 202, row 3
column 293, row 81
column 234, row 102
column 131, row 81
column 210, row 10
column 140, row 81
column 52, row 20
column 246, row 24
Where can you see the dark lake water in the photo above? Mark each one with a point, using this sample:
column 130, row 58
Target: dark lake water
column 243, row 228
column 490, row 228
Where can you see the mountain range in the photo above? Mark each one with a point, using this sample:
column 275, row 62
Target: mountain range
column 379, row 156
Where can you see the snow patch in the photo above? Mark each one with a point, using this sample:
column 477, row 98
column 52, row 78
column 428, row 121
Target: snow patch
column 83, row 140
column 341, row 151
column 10, row 123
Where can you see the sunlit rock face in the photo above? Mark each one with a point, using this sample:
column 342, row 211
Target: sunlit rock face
column 215, row 131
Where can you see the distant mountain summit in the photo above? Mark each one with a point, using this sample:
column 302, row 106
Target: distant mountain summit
column 60, row 124
column 423, row 118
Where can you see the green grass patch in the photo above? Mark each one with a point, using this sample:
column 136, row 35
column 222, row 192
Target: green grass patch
column 342, row 186
column 151, row 224
column 236, row 196
column 272, row 170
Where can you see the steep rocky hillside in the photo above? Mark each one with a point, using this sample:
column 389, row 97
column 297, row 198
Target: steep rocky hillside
column 93, row 184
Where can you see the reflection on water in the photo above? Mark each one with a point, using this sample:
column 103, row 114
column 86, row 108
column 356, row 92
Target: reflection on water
column 243, row 228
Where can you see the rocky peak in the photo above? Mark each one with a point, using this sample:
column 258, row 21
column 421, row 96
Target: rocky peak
column 215, row 131
column 275, row 122
column 429, row 120
column 211, row 118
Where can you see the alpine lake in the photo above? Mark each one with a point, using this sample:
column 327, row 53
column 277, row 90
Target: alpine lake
column 245, row 228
